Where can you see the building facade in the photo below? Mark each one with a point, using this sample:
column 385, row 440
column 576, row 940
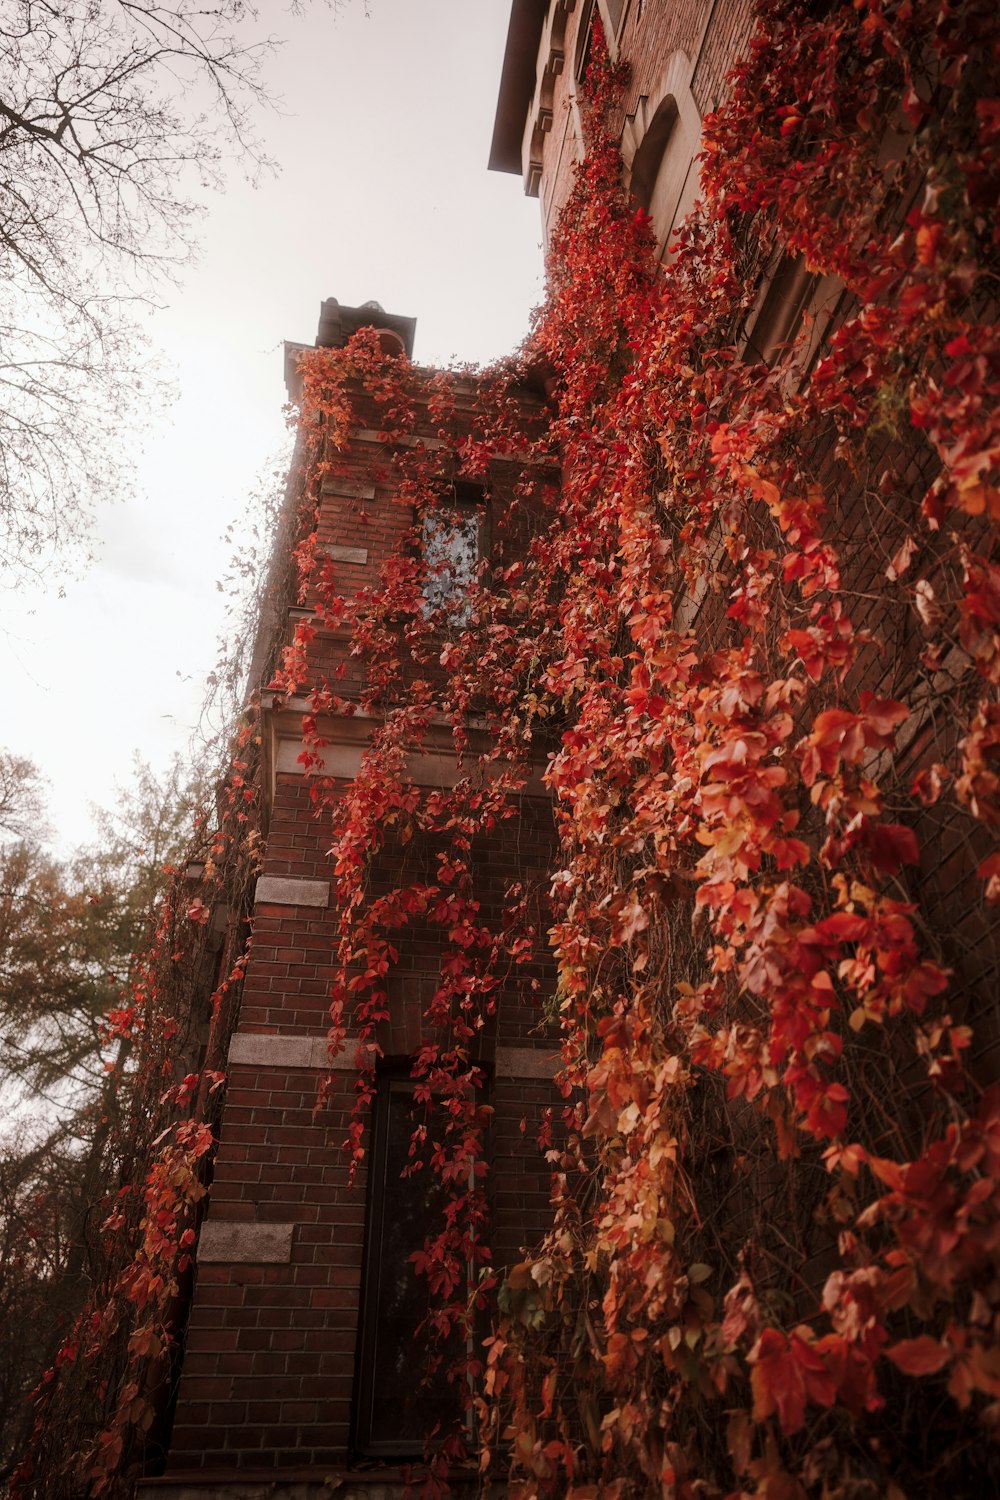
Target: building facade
column 297, row 1359
column 678, row 55
column 302, row 1357
column 677, row 59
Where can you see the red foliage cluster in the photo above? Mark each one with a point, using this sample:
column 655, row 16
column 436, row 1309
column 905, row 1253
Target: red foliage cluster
column 756, row 633
column 753, row 634
column 101, row 1406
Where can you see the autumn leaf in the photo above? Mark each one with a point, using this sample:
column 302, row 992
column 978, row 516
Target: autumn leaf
column 901, row 559
column 920, row 1356
column 891, row 845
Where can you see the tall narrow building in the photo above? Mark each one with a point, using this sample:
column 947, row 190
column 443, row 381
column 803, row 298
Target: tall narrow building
column 756, row 700
column 306, row 1350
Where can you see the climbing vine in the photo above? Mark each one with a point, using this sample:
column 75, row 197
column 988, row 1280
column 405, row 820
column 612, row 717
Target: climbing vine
column 753, row 634
column 742, row 609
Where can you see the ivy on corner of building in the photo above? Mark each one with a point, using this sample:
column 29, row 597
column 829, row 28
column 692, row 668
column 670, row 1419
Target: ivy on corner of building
column 752, row 636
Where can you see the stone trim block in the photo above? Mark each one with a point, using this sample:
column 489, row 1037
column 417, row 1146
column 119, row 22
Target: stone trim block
column 286, row 890
column 346, row 554
column 245, row 1242
column 335, row 1486
column 270, row 1050
column 276, row 1049
column 372, row 435
column 348, row 489
column 526, row 1062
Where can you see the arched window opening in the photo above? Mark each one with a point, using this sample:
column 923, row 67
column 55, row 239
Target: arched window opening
column 610, row 12
column 664, row 173
column 792, row 316
column 779, row 319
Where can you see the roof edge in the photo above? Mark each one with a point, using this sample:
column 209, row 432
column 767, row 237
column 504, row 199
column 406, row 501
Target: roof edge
column 517, row 83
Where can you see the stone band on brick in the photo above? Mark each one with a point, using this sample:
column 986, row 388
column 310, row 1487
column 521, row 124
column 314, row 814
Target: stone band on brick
column 346, row 554
column 282, row 890
column 234, row 1486
column 264, row 1050
column 270, row 1049
column 243, row 1242
column 348, row 489
column 526, row 1062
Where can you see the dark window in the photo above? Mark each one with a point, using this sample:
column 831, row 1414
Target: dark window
column 664, row 177
column 584, row 37
column 779, row 318
column 400, row 1399
column 610, row 14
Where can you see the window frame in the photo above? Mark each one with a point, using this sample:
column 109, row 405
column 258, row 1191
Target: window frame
column 612, row 31
column 467, row 503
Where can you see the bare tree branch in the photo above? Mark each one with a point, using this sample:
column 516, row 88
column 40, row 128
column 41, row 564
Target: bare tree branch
column 115, row 116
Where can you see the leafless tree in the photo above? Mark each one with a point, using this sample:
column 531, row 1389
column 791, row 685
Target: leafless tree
column 115, row 115
column 22, row 798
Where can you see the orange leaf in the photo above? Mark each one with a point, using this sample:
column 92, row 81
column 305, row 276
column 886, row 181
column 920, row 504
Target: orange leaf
column 922, row 1356
column 901, row 560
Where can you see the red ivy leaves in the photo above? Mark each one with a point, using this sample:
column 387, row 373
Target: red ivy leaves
column 713, row 632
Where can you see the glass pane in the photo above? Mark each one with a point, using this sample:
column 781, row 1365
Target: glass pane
column 615, row 8
column 451, row 548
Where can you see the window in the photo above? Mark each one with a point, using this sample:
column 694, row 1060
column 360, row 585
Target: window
column 613, row 17
column 396, row 1406
column 610, row 12
column 450, row 542
column 664, row 172
column 778, row 315
column 583, row 37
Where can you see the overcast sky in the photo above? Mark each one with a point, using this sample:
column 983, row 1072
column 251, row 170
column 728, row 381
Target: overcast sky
column 383, row 193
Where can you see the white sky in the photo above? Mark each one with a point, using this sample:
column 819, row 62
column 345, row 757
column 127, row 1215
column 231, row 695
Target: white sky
column 383, row 193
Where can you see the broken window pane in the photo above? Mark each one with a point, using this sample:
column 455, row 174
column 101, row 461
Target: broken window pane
column 451, row 552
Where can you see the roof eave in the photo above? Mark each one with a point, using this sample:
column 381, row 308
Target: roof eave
column 517, row 83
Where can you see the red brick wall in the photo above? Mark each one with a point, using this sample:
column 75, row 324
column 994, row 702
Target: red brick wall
column 269, row 1362
column 713, row 37
column 269, row 1358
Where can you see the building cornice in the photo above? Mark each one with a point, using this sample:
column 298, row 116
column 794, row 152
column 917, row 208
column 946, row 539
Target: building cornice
column 517, row 83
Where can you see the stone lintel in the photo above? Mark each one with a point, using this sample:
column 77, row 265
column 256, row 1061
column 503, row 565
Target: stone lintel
column 245, row 1242
column 341, row 758
column 284, row 1050
column 372, row 435
column 526, row 1062
column 287, row 890
column 256, row 1486
column 347, row 489
column 267, row 1050
column 346, row 554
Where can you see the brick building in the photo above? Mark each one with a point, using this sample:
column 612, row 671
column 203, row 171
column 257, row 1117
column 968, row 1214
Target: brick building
column 678, row 56
column 299, row 1357
column 293, row 1368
